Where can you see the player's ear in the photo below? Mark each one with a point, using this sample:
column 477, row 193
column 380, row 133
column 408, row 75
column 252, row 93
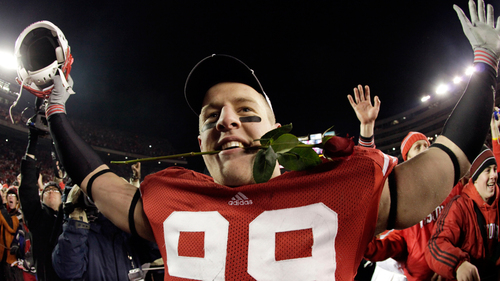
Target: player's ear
column 199, row 141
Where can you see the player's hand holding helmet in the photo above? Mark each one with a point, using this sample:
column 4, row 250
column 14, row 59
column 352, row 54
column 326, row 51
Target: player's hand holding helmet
column 481, row 32
column 43, row 52
column 60, row 94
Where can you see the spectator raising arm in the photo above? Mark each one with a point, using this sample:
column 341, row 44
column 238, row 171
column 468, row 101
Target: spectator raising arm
column 40, row 217
column 366, row 113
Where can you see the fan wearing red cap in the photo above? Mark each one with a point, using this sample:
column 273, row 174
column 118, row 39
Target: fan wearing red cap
column 406, row 246
column 413, row 144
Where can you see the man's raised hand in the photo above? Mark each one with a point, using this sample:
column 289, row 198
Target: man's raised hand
column 59, row 96
column 483, row 36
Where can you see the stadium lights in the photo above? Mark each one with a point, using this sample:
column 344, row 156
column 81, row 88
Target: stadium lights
column 470, row 70
column 445, row 88
column 442, row 89
column 7, row 60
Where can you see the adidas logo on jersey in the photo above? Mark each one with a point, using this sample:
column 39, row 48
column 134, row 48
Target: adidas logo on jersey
column 239, row 200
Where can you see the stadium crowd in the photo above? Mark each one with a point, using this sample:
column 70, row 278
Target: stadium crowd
column 13, row 149
column 20, row 260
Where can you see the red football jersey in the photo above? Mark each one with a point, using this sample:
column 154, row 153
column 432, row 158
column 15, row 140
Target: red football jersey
column 307, row 225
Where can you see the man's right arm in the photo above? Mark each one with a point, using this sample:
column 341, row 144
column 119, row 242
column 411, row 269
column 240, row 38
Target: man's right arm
column 113, row 196
column 110, row 193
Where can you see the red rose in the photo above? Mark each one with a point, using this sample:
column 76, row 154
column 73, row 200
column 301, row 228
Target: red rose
column 338, row 147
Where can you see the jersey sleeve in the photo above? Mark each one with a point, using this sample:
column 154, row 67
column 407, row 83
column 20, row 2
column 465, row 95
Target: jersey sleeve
column 385, row 162
column 393, row 245
column 383, row 165
column 442, row 256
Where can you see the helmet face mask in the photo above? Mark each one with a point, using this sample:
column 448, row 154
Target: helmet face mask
column 37, row 49
column 41, row 51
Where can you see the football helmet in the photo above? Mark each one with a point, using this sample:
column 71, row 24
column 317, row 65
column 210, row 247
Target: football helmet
column 41, row 51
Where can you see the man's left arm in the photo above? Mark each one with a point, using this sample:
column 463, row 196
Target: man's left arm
column 417, row 186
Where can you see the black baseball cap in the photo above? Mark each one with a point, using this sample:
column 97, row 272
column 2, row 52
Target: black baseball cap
column 214, row 69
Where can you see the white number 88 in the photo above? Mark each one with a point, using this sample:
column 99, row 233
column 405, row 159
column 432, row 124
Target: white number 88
column 262, row 264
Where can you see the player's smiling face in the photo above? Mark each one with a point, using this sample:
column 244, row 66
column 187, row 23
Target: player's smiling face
column 232, row 117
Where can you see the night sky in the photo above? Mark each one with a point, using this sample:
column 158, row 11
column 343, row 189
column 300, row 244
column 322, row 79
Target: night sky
column 132, row 58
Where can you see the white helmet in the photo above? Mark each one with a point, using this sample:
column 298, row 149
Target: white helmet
column 41, row 51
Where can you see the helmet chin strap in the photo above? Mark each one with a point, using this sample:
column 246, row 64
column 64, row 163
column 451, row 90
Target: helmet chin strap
column 45, row 93
column 41, row 94
column 15, row 102
column 67, row 85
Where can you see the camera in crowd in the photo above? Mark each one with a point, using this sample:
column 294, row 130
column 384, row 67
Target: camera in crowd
column 83, row 202
column 39, row 121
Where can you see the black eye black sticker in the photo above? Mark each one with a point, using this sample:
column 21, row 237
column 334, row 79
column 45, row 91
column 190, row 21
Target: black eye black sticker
column 209, row 126
column 250, row 119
